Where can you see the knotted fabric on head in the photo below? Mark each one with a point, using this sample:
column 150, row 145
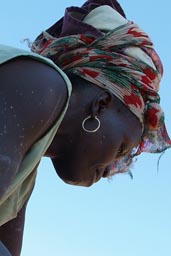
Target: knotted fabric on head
column 123, row 61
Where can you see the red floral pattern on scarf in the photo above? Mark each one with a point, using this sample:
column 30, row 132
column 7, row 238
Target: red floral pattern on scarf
column 104, row 61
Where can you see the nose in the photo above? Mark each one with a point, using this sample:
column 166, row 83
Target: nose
column 106, row 172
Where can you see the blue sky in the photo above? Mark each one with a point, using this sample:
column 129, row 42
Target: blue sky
column 122, row 217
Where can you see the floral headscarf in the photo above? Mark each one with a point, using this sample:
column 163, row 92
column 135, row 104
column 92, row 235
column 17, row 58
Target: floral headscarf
column 106, row 62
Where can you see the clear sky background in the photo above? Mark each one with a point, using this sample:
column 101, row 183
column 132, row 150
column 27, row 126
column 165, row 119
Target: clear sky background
column 122, row 217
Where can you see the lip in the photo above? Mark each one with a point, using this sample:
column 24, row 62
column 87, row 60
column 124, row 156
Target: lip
column 99, row 173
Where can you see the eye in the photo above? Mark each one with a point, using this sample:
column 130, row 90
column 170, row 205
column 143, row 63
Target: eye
column 122, row 150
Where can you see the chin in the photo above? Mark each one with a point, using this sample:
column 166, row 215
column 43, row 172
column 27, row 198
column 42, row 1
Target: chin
column 72, row 176
column 79, row 183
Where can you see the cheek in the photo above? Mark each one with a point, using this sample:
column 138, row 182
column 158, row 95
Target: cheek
column 107, row 147
column 82, row 155
column 93, row 148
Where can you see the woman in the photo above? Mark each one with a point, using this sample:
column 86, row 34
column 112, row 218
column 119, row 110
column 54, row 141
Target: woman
column 115, row 74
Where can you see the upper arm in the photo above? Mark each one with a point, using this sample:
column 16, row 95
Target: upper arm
column 11, row 233
column 32, row 95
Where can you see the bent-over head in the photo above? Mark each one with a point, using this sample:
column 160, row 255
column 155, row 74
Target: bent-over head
column 118, row 57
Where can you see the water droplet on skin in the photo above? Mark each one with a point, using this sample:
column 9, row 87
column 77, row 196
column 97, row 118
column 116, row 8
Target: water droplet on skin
column 4, row 100
column 5, row 129
column 32, row 92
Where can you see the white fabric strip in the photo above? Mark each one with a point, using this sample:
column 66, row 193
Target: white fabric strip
column 105, row 18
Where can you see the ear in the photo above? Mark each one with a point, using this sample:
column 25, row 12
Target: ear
column 101, row 102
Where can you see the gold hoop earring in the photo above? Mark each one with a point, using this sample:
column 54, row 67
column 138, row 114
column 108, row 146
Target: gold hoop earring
column 91, row 131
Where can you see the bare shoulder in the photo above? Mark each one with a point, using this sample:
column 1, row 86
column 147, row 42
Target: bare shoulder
column 31, row 93
column 32, row 96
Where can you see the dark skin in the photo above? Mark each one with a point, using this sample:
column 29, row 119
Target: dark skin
column 115, row 135
column 30, row 108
